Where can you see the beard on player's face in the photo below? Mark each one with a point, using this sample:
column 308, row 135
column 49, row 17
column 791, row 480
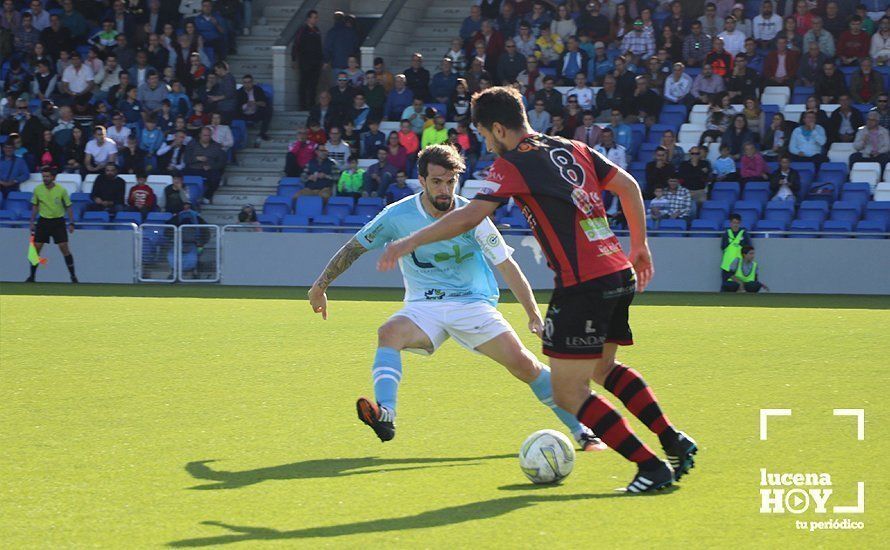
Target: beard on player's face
column 441, row 202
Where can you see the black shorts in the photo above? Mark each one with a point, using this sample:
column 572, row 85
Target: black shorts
column 50, row 227
column 583, row 317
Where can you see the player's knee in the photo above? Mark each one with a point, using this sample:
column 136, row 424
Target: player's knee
column 390, row 336
column 524, row 366
column 602, row 370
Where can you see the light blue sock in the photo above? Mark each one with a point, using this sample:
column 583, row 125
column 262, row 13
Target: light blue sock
column 387, row 373
column 544, row 392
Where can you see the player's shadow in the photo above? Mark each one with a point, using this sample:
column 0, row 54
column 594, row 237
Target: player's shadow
column 322, row 468
column 433, row 518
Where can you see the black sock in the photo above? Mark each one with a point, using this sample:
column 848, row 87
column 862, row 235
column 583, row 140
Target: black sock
column 69, row 261
column 33, row 269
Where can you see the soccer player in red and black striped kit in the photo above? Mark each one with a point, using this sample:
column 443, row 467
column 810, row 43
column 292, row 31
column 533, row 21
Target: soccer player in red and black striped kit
column 558, row 184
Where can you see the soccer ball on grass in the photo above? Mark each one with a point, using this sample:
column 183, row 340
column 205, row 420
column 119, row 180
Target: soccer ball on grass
column 547, row 456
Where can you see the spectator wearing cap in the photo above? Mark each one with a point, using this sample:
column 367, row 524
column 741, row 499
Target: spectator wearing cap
column 443, row 82
column 340, row 42
column 379, row 175
column 872, row 143
column 678, row 86
column 398, row 100
column 525, row 40
column 511, row 63
column 572, row 63
column 538, row 117
column 679, row 199
column 696, row 46
column 435, row 134
column 417, row 78
column 600, row 64
column 638, row 42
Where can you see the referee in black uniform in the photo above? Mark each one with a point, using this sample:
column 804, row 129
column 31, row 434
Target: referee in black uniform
column 51, row 201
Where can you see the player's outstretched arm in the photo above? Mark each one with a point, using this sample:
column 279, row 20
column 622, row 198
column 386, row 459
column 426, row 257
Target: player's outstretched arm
column 341, row 261
column 515, row 279
column 451, row 225
column 628, row 191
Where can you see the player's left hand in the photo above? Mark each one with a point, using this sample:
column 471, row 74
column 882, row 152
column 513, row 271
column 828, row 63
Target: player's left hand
column 318, row 299
column 70, row 228
column 641, row 259
column 393, row 252
column 536, row 326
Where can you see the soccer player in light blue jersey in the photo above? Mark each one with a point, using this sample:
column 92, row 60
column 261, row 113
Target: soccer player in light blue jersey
column 450, row 291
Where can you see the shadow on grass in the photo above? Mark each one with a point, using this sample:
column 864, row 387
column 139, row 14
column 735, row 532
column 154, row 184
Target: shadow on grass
column 450, row 515
column 323, row 468
column 698, row 299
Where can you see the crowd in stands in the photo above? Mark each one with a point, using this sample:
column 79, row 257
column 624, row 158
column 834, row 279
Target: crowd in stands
column 621, row 76
column 113, row 87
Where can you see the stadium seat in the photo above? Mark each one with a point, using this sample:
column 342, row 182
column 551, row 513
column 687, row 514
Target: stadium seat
column 856, row 191
column 296, row 220
column 239, row 133
column 779, row 211
column 126, row 218
column 776, row 95
column 840, row 152
column 701, row 227
column 882, row 192
column 716, row 211
column 833, row 171
column 870, row 226
column 866, row 171
column 339, row 207
column 369, row 206
column 356, row 221
column 748, row 205
column 309, row 206
column 96, row 218
column 647, row 150
column 691, row 132
column 677, row 225
column 158, row 217
column 813, row 211
column 725, row 191
column 267, row 220
column 846, row 211
column 756, row 191
column 516, row 221
column 750, row 216
column 676, row 109
column 657, row 131
column 18, row 202
column 277, row 206
column 837, row 226
column 763, row 228
column 808, row 226
column 879, row 211
column 325, row 221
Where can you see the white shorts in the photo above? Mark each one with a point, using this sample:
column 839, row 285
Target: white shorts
column 470, row 324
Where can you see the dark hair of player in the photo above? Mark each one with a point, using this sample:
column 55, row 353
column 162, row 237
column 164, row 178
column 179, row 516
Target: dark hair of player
column 499, row 104
column 442, row 155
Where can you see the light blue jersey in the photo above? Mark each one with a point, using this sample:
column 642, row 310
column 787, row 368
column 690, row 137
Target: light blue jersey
column 453, row 270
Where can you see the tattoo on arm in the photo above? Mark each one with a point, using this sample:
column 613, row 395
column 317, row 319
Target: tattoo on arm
column 341, row 261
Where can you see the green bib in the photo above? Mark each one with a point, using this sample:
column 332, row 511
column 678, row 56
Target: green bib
column 733, row 250
column 750, row 277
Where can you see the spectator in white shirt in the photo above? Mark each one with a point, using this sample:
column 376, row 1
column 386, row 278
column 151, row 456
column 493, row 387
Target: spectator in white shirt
column 77, row 81
column 766, row 25
column 99, row 152
column 582, row 91
column 880, row 43
column 678, row 85
column 733, row 39
column 119, row 132
column 611, row 150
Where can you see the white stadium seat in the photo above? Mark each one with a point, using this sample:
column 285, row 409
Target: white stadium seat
column 698, row 117
column 793, row 112
column 366, row 163
column 886, row 173
column 882, row 195
column 829, row 108
column 777, row 91
column 389, row 126
column 840, row 152
column 162, row 179
column 690, row 132
column 866, row 171
column 774, row 99
column 71, row 182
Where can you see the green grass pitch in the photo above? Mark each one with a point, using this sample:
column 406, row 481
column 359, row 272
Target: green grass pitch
column 192, row 416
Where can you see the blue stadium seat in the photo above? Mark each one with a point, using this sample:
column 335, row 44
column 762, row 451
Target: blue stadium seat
column 870, row 226
column 671, row 120
column 748, row 205
column 270, row 92
column 725, row 191
column 756, row 191
column 325, row 221
column 516, row 221
column 750, row 216
column 127, row 218
column 295, row 219
column 339, row 207
column 158, row 217
column 80, row 197
column 647, row 150
column 289, row 181
column 678, row 108
column 267, row 220
column 288, row 190
column 677, row 225
column 440, row 108
column 18, row 202
column 638, row 165
column 805, row 225
column 763, row 228
column 832, row 172
column 813, row 210
column 779, row 211
column 239, row 133
column 95, row 217
column 635, row 141
column 703, row 225
column 846, row 211
column 369, row 206
column 309, row 206
column 837, row 226
column 715, row 211
column 8, row 215
column 878, row 211
column 277, row 206
column 356, row 221
column 856, row 191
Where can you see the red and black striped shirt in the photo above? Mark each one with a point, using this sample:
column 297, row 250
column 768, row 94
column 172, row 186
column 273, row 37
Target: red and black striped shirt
column 558, row 183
